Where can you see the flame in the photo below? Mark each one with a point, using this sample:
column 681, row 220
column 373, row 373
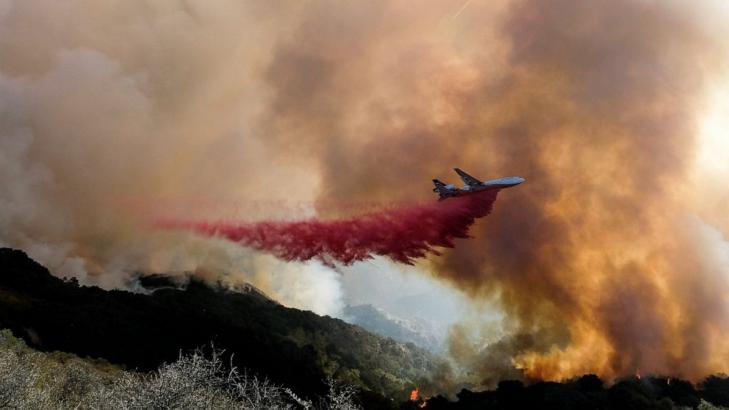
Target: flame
column 414, row 394
column 423, row 405
column 637, row 374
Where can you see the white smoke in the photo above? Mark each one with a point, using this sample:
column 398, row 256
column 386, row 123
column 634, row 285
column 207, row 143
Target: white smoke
column 113, row 114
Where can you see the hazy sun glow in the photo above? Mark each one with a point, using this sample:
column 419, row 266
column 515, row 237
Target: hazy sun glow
column 713, row 154
column 709, row 195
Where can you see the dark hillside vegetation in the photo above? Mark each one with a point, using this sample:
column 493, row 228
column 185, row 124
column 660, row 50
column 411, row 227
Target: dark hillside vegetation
column 590, row 393
column 292, row 347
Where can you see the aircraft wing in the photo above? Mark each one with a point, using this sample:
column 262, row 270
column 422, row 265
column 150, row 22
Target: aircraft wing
column 467, row 179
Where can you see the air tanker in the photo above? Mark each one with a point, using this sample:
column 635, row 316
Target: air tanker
column 472, row 185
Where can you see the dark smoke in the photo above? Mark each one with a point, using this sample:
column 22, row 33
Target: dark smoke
column 403, row 233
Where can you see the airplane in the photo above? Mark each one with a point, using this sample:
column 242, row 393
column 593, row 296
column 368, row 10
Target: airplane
column 472, row 185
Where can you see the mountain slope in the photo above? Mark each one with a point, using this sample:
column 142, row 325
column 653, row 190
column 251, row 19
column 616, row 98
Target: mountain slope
column 293, row 347
column 378, row 321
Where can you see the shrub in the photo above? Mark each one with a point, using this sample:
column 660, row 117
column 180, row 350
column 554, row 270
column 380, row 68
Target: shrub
column 31, row 379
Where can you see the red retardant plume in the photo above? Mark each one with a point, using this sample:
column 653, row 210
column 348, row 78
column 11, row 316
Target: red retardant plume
column 403, row 234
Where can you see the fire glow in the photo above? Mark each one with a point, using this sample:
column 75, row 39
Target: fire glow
column 415, row 396
column 404, row 233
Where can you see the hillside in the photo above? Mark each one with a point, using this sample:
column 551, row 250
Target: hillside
column 589, row 392
column 378, row 321
column 292, row 347
column 30, row 379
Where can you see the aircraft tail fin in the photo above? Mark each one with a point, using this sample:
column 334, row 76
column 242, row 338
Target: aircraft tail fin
column 443, row 190
column 439, row 186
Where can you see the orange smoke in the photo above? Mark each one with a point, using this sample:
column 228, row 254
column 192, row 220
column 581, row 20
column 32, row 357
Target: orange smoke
column 598, row 265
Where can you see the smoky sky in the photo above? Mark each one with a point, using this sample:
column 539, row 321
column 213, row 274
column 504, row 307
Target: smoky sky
column 594, row 103
column 115, row 113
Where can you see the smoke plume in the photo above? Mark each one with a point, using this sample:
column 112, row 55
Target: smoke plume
column 112, row 114
column 599, row 264
column 403, row 234
column 115, row 113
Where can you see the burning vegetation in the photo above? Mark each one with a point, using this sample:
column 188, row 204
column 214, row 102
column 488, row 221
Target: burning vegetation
column 589, row 392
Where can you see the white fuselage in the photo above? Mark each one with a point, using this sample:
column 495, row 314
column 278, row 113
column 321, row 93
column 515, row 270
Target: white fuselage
column 500, row 183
